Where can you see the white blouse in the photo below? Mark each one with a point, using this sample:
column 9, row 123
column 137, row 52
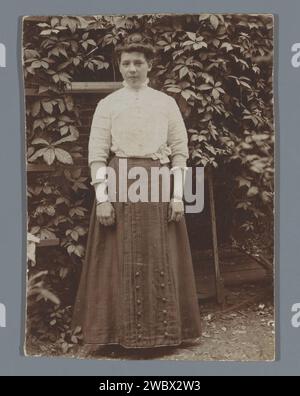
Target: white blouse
column 140, row 122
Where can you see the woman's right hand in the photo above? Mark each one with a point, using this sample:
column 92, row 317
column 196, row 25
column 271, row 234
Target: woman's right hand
column 105, row 213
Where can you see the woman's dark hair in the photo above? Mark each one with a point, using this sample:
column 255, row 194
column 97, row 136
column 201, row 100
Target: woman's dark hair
column 135, row 42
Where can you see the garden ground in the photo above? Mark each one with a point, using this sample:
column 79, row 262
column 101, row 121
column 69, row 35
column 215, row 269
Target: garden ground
column 242, row 331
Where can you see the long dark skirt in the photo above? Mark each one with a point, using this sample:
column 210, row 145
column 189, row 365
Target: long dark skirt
column 137, row 287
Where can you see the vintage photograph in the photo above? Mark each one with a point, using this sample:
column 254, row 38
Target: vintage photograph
column 150, row 186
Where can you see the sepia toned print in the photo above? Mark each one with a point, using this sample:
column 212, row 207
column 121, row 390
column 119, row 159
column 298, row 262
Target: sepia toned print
column 118, row 97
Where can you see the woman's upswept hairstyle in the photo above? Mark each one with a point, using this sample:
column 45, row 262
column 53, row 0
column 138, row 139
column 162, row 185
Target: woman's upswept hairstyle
column 135, row 42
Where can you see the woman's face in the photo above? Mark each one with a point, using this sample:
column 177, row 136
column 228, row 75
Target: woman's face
column 134, row 68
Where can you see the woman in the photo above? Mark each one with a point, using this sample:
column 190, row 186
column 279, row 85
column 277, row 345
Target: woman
column 137, row 287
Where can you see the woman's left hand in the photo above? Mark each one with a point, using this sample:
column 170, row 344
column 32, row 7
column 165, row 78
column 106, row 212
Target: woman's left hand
column 176, row 210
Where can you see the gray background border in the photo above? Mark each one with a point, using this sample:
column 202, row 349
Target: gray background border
column 13, row 198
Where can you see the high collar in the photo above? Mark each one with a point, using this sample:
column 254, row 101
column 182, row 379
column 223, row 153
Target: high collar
column 143, row 85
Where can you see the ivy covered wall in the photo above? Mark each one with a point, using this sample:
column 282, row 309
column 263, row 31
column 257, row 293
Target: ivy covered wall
column 219, row 70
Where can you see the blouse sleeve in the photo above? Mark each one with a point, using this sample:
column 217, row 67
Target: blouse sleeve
column 177, row 136
column 100, row 134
